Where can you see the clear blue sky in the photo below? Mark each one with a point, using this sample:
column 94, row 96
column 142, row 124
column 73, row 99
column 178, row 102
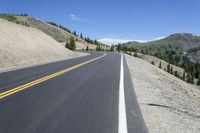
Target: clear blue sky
column 125, row 19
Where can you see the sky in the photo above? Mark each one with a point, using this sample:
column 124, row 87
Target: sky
column 114, row 20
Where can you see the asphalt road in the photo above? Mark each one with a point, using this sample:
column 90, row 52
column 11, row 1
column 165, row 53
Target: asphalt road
column 73, row 96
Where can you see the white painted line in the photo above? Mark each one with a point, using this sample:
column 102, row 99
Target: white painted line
column 122, row 127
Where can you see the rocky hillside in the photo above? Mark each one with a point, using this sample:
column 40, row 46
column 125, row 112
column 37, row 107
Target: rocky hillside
column 22, row 45
column 59, row 33
column 180, row 43
column 181, row 49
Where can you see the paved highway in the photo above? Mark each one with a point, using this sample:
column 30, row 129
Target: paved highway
column 91, row 94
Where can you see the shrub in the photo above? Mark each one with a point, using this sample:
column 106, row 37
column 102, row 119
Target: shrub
column 135, row 54
column 71, row 45
column 160, row 65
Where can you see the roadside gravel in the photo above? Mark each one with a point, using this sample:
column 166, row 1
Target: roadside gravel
column 168, row 104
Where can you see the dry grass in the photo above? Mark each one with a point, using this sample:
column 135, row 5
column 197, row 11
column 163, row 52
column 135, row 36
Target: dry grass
column 22, row 45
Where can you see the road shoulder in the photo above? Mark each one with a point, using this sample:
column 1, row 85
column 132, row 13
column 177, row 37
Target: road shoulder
column 167, row 103
column 135, row 121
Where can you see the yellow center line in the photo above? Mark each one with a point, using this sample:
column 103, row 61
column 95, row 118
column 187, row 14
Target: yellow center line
column 40, row 80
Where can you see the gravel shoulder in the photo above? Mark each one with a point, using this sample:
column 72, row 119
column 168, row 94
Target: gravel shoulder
column 167, row 103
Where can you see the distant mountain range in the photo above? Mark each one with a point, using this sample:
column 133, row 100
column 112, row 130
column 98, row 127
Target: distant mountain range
column 181, row 43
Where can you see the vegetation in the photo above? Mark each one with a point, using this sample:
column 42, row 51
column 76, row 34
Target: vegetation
column 183, row 78
column 71, row 45
column 160, row 65
column 87, row 39
column 135, row 54
column 172, row 50
column 59, row 26
column 198, row 82
column 112, row 48
column 87, row 48
column 8, row 17
column 98, row 48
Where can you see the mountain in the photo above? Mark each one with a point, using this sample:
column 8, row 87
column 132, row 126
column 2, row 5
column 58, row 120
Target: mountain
column 180, row 43
column 59, row 33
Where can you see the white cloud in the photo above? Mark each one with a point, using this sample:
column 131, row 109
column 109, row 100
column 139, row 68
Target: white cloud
column 196, row 35
column 77, row 18
column 158, row 38
column 74, row 17
column 112, row 41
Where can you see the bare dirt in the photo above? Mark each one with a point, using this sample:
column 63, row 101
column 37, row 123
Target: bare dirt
column 21, row 45
column 168, row 104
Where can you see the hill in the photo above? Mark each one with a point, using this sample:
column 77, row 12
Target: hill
column 180, row 49
column 179, row 44
column 58, row 32
column 23, row 45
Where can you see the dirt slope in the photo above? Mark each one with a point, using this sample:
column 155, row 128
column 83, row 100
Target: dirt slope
column 55, row 32
column 22, row 45
column 168, row 104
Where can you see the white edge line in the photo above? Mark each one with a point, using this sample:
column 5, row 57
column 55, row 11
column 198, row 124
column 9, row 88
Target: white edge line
column 122, row 121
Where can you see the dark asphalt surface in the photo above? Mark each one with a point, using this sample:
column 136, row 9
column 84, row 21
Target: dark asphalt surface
column 84, row 100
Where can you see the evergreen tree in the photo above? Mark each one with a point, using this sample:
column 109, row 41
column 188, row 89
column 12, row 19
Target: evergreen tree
column 135, row 54
column 171, row 70
column 71, row 44
column 81, row 36
column 188, row 78
column 98, row 48
column 75, row 33
column 183, row 76
column 176, row 74
column 119, row 47
column 192, row 79
column 198, row 82
column 168, row 68
column 160, row 65
column 87, row 48
column 112, row 48
column 197, row 74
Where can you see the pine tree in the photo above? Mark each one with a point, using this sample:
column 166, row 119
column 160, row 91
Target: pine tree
column 135, row 54
column 112, row 48
column 160, row 65
column 192, row 79
column 119, row 47
column 183, row 76
column 198, row 82
column 171, row 70
column 98, row 48
column 168, row 68
column 87, row 48
column 75, row 33
column 81, row 36
column 188, row 78
column 176, row 74
column 72, row 43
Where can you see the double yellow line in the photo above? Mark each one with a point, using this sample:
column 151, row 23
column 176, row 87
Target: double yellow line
column 40, row 80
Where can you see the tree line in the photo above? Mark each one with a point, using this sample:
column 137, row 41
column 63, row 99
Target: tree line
column 87, row 39
column 191, row 69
